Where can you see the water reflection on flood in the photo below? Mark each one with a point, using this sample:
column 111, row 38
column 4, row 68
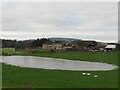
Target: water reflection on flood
column 59, row 64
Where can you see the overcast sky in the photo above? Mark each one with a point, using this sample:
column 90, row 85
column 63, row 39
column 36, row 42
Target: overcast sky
column 27, row 20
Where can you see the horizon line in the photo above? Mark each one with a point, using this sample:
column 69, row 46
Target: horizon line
column 105, row 41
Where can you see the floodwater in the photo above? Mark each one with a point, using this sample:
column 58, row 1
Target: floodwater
column 57, row 64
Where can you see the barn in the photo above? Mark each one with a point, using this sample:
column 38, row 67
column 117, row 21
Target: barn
column 110, row 47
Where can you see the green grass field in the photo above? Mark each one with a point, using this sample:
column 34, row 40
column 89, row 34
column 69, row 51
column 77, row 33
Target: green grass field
column 39, row 49
column 105, row 57
column 7, row 50
column 42, row 78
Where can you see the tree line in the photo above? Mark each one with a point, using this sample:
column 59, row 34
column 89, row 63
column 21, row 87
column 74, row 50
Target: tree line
column 8, row 43
column 23, row 44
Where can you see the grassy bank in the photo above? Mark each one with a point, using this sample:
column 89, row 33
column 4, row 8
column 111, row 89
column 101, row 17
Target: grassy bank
column 40, row 78
column 105, row 57
column 7, row 50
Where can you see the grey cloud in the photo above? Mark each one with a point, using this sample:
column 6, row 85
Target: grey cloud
column 78, row 20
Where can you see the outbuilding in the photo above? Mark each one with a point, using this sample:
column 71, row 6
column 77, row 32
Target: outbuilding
column 110, row 47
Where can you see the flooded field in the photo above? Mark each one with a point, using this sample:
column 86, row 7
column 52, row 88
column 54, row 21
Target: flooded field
column 58, row 64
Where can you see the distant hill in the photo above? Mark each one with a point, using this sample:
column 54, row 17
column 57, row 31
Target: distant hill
column 67, row 40
column 101, row 42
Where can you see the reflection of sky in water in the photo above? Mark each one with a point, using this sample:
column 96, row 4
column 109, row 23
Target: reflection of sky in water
column 52, row 63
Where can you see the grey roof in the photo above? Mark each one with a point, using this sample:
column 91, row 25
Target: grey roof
column 110, row 46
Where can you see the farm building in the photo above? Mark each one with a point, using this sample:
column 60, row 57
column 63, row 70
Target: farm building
column 79, row 46
column 54, row 46
column 67, row 47
column 110, row 47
